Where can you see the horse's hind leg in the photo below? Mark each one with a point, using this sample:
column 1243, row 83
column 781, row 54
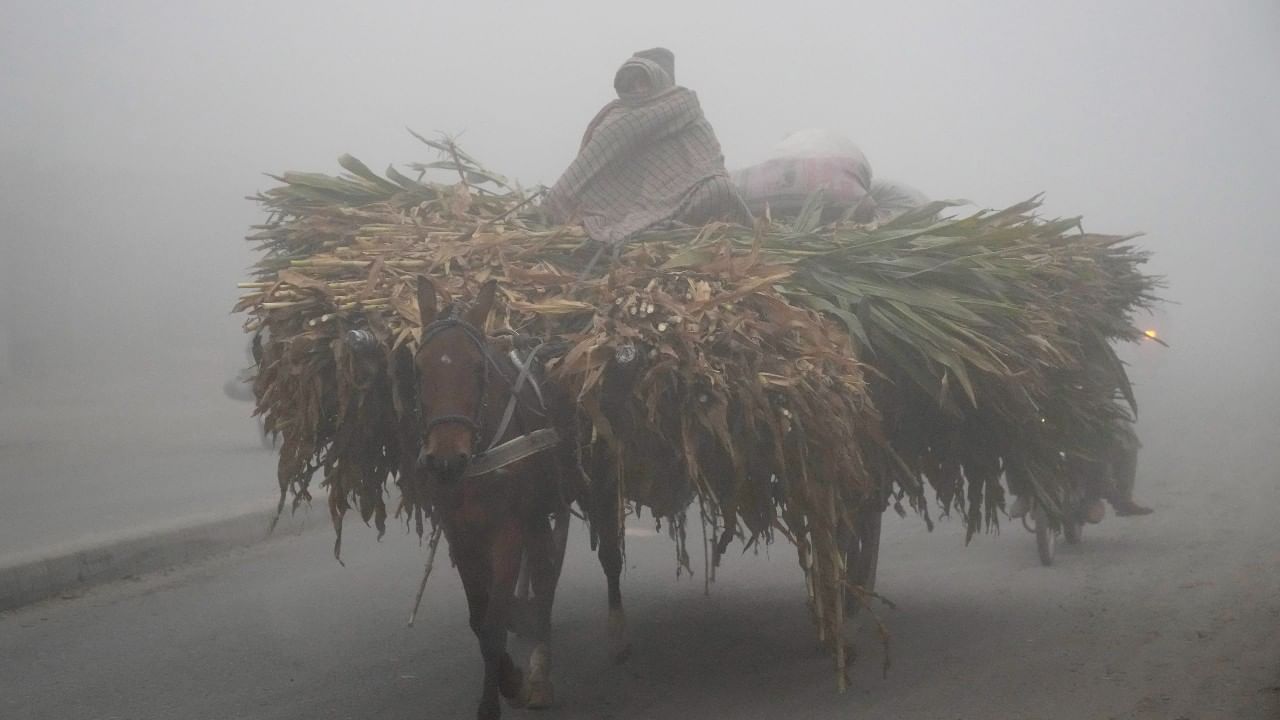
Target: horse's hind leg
column 545, row 557
column 609, row 530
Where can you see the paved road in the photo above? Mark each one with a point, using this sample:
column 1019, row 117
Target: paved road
column 1172, row 616
column 81, row 461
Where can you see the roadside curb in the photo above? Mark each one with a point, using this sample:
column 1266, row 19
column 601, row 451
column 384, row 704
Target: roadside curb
column 35, row 576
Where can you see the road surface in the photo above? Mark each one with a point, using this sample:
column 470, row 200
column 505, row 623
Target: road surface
column 81, row 461
column 1176, row 615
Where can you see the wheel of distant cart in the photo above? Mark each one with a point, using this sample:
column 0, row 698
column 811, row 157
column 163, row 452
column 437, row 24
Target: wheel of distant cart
column 1073, row 531
column 862, row 555
column 1046, row 538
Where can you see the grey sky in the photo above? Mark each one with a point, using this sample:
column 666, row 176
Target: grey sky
column 130, row 131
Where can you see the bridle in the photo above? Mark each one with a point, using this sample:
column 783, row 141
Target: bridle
column 475, row 423
column 477, row 338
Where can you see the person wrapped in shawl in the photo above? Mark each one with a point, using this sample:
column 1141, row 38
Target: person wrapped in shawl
column 647, row 158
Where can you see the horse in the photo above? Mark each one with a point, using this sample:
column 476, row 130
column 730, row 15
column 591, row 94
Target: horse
column 498, row 452
column 495, row 463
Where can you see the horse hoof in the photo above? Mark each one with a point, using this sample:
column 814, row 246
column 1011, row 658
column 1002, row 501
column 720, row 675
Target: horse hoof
column 511, row 686
column 539, row 695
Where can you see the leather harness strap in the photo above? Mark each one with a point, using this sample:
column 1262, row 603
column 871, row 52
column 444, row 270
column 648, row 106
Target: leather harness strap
column 522, row 375
column 512, row 451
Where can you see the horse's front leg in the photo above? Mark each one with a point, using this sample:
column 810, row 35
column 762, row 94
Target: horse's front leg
column 545, row 555
column 475, row 560
column 501, row 676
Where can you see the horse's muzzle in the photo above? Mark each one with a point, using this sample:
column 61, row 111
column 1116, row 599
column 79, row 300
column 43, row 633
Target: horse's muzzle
column 445, row 468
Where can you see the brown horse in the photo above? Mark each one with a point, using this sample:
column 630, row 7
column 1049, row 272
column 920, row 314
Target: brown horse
column 496, row 458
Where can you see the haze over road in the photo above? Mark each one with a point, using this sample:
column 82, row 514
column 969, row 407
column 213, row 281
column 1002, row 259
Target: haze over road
column 1176, row 615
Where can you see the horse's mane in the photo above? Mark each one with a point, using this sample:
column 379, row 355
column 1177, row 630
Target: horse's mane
column 455, row 308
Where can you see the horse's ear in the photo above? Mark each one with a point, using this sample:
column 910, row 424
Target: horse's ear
column 426, row 300
column 478, row 315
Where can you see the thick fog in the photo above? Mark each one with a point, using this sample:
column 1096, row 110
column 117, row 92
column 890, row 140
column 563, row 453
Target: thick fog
column 130, row 133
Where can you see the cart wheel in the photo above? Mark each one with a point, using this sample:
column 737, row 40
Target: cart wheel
column 1073, row 532
column 1046, row 538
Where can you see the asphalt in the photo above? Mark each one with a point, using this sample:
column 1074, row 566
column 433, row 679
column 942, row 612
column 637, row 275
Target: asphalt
column 99, row 480
column 1176, row 615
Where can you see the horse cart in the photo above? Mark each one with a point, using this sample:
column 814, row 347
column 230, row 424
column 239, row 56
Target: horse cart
column 449, row 338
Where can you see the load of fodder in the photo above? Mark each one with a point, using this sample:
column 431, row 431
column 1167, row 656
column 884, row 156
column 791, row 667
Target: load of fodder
column 782, row 376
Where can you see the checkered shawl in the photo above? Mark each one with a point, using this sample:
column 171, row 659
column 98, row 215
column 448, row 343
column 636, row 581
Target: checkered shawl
column 646, row 160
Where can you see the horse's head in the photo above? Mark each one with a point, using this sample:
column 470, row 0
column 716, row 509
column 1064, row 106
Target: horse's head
column 454, row 372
